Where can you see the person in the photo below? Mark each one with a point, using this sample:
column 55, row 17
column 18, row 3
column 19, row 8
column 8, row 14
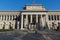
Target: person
column 36, row 31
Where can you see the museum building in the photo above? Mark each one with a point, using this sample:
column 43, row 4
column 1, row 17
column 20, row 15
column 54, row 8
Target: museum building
column 33, row 16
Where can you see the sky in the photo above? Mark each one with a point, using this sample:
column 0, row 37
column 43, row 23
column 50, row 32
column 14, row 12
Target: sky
column 19, row 4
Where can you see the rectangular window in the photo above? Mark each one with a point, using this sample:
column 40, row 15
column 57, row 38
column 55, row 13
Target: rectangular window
column 2, row 17
column 52, row 17
column 57, row 17
column 10, row 17
column 5, row 17
column 49, row 17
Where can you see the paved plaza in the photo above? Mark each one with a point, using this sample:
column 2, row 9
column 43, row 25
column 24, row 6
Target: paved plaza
column 24, row 35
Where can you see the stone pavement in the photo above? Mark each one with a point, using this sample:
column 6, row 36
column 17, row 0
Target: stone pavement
column 50, row 32
column 24, row 35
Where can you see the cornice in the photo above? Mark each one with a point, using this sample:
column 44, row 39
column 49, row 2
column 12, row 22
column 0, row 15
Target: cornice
column 29, row 11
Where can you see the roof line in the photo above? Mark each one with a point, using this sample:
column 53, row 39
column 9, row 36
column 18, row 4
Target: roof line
column 29, row 10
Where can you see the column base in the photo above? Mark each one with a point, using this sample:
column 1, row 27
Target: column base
column 22, row 28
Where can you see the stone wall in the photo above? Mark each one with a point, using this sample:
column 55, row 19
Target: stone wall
column 6, row 22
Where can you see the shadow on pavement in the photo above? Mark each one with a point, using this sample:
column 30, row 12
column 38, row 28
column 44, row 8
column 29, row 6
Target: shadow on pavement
column 33, row 36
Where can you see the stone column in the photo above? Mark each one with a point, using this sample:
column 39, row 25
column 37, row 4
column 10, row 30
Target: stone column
column 21, row 22
column 44, row 20
column 36, row 18
column 59, row 17
column 1, row 17
column 30, row 26
column 12, row 17
column 56, row 17
column 41, row 20
column 17, row 25
column 9, row 17
column 53, row 17
column 36, row 26
column 26, row 21
column 6, row 17
column 31, row 19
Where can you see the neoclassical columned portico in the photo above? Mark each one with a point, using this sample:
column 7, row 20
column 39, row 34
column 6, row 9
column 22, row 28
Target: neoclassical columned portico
column 31, row 19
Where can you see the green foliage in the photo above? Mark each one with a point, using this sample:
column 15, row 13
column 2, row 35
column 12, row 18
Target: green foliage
column 58, row 29
column 34, row 27
column 10, row 27
column 4, row 30
column 43, row 27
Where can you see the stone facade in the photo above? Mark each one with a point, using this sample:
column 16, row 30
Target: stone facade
column 8, row 18
column 32, row 16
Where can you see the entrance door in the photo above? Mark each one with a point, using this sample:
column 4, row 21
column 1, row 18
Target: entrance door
column 34, row 19
column 33, row 24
